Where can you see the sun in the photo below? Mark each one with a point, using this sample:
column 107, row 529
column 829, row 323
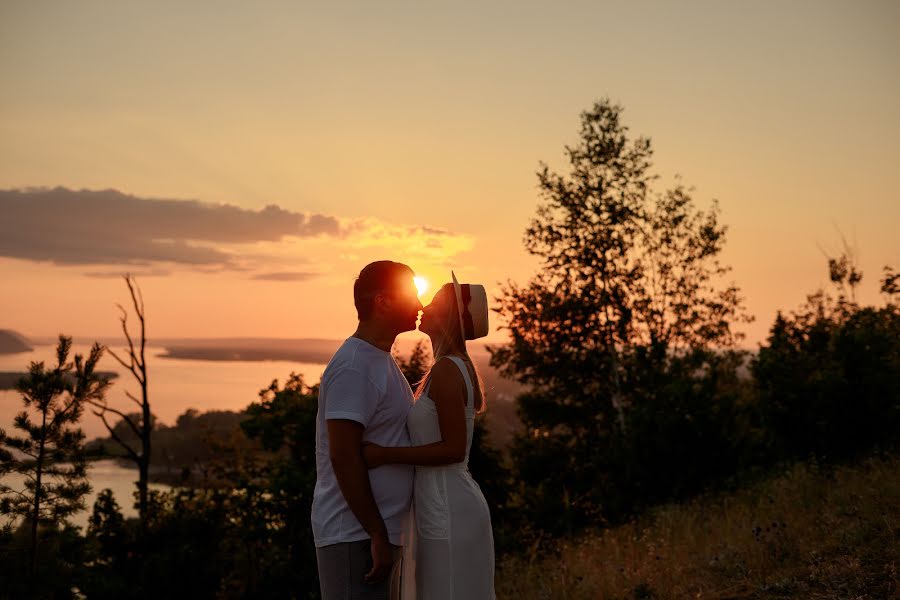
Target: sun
column 421, row 284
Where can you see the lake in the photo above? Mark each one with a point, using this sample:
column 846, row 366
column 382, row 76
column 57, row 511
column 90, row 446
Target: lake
column 175, row 385
column 102, row 474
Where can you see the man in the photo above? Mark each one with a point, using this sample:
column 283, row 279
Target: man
column 357, row 514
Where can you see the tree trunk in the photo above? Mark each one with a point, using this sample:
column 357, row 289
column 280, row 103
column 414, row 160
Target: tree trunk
column 146, row 431
column 35, row 515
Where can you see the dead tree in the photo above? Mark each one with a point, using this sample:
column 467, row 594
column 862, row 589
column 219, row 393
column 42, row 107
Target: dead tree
column 137, row 366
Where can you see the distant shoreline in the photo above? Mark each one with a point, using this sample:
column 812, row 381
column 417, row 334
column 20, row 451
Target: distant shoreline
column 246, row 355
column 303, row 350
column 8, row 379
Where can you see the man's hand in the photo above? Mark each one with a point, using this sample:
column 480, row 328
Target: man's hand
column 382, row 559
column 372, row 455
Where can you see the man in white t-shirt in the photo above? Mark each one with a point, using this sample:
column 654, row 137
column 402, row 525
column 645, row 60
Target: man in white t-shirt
column 358, row 514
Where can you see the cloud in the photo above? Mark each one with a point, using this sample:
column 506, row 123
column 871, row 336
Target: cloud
column 69, row 227
column 121, row 232
column 286, row 276
column 120, row 274
column 412, row 242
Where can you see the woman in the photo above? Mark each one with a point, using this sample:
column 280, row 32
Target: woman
column 452, row 545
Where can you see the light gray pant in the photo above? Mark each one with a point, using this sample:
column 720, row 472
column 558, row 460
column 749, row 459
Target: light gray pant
column 342, row 571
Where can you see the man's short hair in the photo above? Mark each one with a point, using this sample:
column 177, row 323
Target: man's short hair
column 375, row 278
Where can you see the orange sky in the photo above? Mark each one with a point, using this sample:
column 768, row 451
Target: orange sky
column 415, row 132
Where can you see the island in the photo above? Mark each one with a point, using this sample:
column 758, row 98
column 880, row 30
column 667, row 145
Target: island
column 12, row 342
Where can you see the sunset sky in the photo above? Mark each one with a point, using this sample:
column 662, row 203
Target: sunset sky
column 246, row 159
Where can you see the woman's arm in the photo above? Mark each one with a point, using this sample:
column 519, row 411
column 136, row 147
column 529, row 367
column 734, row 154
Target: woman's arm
column 448, row 391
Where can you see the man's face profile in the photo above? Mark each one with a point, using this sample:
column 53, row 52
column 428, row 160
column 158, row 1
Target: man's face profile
column 402, row 303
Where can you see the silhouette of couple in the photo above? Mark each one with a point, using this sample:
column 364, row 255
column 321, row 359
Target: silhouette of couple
column 395, row 512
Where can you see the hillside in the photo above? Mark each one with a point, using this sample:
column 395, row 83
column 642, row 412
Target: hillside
column 12, row 342
column 810, row 532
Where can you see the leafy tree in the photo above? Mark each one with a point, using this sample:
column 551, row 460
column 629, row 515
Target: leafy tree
column 244, row 534
column 274, row 495
column 416, row 366
column 890, row 285
column 184, row 448
column 828, row 377
column 630, row 286
column 50, row 452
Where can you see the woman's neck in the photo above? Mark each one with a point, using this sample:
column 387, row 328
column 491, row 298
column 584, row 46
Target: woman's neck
column 437, row 350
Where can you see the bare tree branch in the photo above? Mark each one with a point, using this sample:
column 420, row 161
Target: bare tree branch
column 133, row 399
column 122, row 362
column 137, row 300
column 124, row 321
column 112, row 433
column 104, row 408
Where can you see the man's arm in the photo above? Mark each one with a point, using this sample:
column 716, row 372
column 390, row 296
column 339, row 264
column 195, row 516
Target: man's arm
column 345, row 442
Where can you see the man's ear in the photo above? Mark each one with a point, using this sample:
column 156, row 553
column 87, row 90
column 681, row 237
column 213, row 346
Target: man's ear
column 380, row 302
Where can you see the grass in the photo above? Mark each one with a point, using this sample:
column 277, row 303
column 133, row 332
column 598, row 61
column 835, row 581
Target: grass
column 810, row 532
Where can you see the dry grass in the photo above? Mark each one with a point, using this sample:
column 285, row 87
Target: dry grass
column 805, row 534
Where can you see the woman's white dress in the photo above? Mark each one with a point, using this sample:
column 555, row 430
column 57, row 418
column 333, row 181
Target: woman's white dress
column 451, row 549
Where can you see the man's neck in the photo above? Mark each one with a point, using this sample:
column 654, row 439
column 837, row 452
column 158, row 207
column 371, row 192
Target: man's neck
column 375, row 335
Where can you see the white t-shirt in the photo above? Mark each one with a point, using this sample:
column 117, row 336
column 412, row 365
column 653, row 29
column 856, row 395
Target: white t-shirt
column 362, row 383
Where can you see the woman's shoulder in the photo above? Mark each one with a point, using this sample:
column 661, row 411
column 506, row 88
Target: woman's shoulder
column 446, row 374
column 447, row 366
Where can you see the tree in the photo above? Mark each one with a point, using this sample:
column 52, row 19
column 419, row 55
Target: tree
column 141, row 425
column 630, row 281
column 275, row 496
column 51, row 452
column 890, row 285
column 243, row 533
column 416, row 366
column 828, row 377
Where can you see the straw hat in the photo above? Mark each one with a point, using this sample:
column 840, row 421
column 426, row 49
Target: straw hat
column 471, row 299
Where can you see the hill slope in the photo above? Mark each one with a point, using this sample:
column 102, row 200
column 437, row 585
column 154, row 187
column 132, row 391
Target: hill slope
column 12, row 342
column 809, row 533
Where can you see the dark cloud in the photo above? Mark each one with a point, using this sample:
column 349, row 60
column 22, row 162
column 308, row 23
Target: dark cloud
column 120, row 274
column 286, row 276
column 108, row 227
column 430, row 230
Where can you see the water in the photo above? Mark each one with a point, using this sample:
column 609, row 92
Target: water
column 102, row 474
column 175, row 385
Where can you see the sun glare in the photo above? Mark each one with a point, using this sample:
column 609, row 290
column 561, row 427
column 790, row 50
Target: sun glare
column 421, row 284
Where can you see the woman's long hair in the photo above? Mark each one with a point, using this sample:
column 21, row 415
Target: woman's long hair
column 450, row 341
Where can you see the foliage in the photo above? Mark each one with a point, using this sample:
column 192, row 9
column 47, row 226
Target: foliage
column 828, row 377
column 245, row 534
column 139, row 450
column 50, row 452
column 624, row 318
column 59, row 562
column 182, row 449
column 806, row 531
column 416, row 366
